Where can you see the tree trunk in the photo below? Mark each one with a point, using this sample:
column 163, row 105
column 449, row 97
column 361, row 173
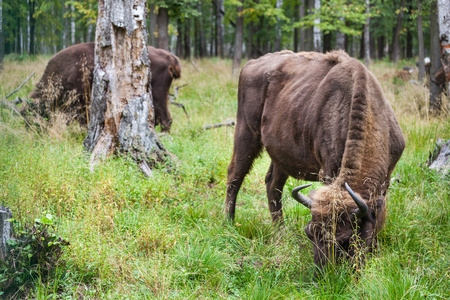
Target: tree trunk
column 187, row 38
column 163, row 26
column 302, row 30
column 250, row 40
column 395, row 51
column 316, row 31
column 435, row 49
column 72, row 25
column 443, row 10
column 219, row 28
column 122, row 104
column 201, row 34
column 153, row 27
column 32, row 27
column 1, row 35
column 340, row 38
column 239, row 39
column 277, row 46
column 367, row 36
column 179, row 49
column 420, row 41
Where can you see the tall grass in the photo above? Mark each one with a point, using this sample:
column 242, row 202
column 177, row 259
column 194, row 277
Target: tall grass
column 165, row 237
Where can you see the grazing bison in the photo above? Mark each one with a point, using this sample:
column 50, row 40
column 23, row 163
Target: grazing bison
column 71, row 69
column 320, row 117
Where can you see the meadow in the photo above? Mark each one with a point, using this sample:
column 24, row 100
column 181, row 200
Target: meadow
column 165, row 237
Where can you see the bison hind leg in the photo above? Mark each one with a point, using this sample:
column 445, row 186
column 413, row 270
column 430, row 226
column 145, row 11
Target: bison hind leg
column 247, row 146
column 275, row 180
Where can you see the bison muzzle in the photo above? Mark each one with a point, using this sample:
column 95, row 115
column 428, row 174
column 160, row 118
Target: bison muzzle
column 320, row 117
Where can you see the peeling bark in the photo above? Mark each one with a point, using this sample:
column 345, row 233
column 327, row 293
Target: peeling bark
column 443, row 10
column 122, row 105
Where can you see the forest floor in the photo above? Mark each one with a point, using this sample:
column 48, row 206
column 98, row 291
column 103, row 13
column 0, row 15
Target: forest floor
column 165, row 237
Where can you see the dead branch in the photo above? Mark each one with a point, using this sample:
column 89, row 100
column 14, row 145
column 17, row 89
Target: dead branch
column 174, row 96
column 228, row 123
column 9, row 95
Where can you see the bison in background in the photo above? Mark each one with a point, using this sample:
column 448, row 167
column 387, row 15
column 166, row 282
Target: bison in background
column 67, row 81
column 320, row 117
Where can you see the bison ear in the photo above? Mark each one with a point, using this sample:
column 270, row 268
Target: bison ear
column 302, row 199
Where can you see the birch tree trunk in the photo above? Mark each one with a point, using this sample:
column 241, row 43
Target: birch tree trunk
column 122, row 104
column 239, row 39
column 72, row 25
column 443, row 10
column 153, row 27
column 420, row 41
column 367, row 36
column 316, row 31
column 278, row 5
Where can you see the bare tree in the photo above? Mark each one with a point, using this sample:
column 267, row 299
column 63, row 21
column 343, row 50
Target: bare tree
column 239, row 39
column 72, row 25
column 152, row 40
column 121, row 96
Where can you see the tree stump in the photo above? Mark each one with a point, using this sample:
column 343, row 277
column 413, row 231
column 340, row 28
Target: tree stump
column 5, row 231
column 439, row 159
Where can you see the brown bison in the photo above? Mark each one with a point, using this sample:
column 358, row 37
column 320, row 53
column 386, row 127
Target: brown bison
column 320, row 117
column 71, row 69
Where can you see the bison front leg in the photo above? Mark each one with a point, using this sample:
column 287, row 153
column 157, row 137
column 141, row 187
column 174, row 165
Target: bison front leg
column 275, row 180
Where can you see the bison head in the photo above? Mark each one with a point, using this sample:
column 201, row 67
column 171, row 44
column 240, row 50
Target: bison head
column 343, row 225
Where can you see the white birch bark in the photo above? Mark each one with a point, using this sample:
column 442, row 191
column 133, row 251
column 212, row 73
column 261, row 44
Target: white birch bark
column 72, row 25
column 367, row 35
column 317, row 33
column 443, row 11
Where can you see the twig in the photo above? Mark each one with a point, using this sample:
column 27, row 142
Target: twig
column 228, row 123
column 175, row 96
column 9, row 95
column 195, row 66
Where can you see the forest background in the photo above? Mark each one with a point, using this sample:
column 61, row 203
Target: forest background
column 192, row 28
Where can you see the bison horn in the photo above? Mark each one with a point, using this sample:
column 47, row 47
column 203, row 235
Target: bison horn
column 362, row 206
column 302, row 198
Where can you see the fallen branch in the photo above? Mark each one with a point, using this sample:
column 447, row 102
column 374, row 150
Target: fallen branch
column 174, row 96
column 15, row 91
column 228, row 123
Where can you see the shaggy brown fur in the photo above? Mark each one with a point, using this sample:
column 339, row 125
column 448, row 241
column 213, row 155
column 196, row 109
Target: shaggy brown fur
column 321, row 117
column 72, row 70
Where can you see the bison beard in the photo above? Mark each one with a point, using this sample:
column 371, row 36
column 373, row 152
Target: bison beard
column 67, row 82
column 320, row 117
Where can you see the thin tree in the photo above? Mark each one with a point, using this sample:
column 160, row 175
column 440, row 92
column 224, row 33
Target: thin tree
column 121, row 96
column 435, row 53
column 1, row 35
column 219, row 28
column 238, row 42
column 443, row 10
column 420, row 41
column 367, row 35
column 316, row 30
column 395, row 39
column 163, row 27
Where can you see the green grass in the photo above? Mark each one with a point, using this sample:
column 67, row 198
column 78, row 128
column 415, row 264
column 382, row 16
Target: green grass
column 166, row 237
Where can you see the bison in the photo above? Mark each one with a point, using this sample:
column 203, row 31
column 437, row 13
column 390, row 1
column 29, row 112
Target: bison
column 320, row 117
column 71, row 69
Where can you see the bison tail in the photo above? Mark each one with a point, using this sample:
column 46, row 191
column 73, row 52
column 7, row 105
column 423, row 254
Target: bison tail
column 175, row 68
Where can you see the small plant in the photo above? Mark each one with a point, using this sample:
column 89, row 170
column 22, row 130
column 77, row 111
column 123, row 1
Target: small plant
column 35, row 252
